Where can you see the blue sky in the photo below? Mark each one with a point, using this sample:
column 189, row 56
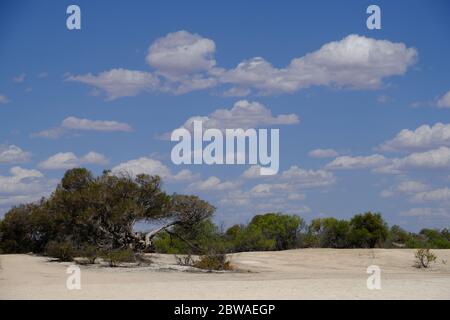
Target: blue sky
column 102, row 97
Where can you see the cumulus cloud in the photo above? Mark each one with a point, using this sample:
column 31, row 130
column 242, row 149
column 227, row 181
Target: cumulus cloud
column 302, row 178
column 13, row 154
column 295, row 177
column 212, row 184
column 424, row 137
column 354, row 61
column 444, row 101
column 426, row 212
column 73, row 123
column 20, row 181
column 243, row 115
column 181, row 53
column 437, row 158
column 323, row 153
column 436, row 195
column 96, row 125
column 145, row 165
column 23, row 186
column 68, row 160
column 119, row 82
column 184, row 62
column 407, row 187
column 360, row 162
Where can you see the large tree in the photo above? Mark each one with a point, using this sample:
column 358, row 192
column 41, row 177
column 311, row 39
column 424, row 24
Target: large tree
column 100, row 211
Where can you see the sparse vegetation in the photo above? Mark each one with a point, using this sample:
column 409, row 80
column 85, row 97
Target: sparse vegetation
column 63, row 251
column 185, row 260
column 90, row 253
column 424, row 257
column 115, row 257
column 213, row 261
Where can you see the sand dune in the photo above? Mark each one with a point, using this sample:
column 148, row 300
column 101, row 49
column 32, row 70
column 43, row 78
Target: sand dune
column 294, row 274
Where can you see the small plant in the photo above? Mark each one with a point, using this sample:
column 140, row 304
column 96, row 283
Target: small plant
column 63, row 251
column 213, row 261
column 90, row 253
column 116, row 256
column 424, row 257
column 186, row 260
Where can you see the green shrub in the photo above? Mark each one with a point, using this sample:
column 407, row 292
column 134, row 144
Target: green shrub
column 368, row 230
column 213, row 261
column 63, row 251
column 89, row 252
column 116, row 256
column 424, row 257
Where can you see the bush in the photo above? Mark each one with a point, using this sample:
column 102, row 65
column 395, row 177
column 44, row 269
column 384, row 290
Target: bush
column 368, row 230
column 328, row 233
column 90, row 253
column 63, row 251
column 424, row 257
column 116, row 256
column 213, row 261
column 185, row 260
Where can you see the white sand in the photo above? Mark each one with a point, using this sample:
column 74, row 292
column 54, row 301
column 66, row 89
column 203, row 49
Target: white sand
column 294, row 274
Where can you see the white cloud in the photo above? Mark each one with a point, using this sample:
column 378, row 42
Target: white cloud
column 421, row 138
column 181, row 53
column 20, row 181
column 68, row 160
column 243, row 115
column 323, row 153
column 184, row 62
column 23, row 186
column 73, row 123
column 426, row 212
column 355, row 61
column 437, row 195
column 13, row 154
column 360, row 162
column 3, row 99
column 253, row 172
column 119, row 82
column 444, row 101
column 150, row 166
column 294, row 177
column 407, row 187
column 302, row 178
column 212, row 184
column 437, row 158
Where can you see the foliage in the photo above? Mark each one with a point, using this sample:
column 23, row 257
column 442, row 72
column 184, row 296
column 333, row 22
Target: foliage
column 97, row 211
column 213, row 261
column 64, row 251
column 424, row 257
column 116, row 256
column 368, row 230
column 329, row 233
column 271, row 231
column 89, row 252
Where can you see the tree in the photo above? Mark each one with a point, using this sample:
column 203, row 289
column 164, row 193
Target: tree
column 330, row 232
column 101, row 211
column 271, row 231
column 368, row 230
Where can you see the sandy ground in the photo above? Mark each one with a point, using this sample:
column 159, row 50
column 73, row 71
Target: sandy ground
column 294, row 274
